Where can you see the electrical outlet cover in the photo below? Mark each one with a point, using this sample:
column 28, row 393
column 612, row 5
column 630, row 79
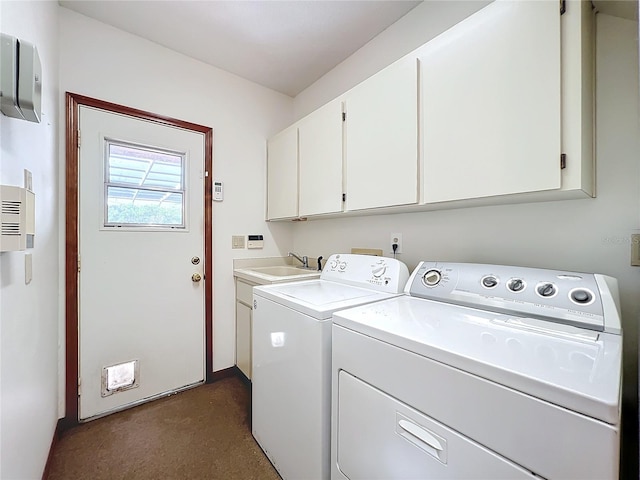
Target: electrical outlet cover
column 397, row 239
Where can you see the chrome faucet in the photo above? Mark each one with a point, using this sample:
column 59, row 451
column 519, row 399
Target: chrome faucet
column 304, row 259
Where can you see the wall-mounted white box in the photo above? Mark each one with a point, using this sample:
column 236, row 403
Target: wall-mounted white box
column 17, row 218
column 20, row 79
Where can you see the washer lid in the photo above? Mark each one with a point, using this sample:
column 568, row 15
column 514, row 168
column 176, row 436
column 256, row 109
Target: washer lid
column 319, row 298
column 575, row 368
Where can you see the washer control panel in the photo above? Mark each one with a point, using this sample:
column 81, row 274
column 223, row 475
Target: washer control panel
column 565, row 297
column 368, row 271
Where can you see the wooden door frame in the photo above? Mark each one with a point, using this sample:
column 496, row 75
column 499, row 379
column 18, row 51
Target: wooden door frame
column 73, row 103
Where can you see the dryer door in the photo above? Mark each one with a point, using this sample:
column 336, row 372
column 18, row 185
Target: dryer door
column 380, row 438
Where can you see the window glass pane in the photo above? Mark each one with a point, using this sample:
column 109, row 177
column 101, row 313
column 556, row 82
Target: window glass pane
column 144, row 187
column 143, row 207
column 144, row 168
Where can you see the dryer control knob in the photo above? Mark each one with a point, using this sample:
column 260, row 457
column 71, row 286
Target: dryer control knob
column 546, row 290
column 489, row 281
column 515, row 285
column 432, row 278
column 379, row 270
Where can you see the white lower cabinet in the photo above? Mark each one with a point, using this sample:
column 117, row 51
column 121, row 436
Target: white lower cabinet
column 244, row 311
column 381, row 138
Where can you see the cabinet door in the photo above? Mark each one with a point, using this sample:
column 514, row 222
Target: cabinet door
column 490, row 92
column 381, row 138
column 243, row 338
column 282, row 175
column 320, row 160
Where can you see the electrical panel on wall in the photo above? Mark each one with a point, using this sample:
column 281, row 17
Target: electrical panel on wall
column 17, row 218
column 20, row 79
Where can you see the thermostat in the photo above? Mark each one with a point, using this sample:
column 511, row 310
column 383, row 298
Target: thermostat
column 255, row 241
column 218, row 191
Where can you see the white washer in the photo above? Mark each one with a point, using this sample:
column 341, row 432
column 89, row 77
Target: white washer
column 481, row 372
column 291, row 382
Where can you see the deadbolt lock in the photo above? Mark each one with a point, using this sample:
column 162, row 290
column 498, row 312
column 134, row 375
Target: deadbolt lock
column 195, row 260
column 196, row 277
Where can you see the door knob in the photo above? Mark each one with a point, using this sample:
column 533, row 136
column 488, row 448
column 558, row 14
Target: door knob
column 196, row 277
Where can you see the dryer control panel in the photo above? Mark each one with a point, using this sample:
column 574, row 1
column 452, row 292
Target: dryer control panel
column 584, row 300
column 368, row 271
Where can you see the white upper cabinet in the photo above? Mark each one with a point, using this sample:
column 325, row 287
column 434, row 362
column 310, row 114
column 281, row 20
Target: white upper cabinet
column 320, row 160
column 497, row 109
column 491, row 103
column 578, row 80
column 282, row 175
column 381, row 138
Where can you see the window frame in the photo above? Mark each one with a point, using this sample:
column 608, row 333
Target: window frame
column 110, row 226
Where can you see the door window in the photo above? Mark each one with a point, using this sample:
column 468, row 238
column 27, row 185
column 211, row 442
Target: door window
column 144, row 186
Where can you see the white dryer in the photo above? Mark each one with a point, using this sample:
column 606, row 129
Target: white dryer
column 481, row 372
column 291, row 382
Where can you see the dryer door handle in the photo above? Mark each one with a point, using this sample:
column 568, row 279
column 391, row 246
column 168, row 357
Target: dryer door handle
column 421, row 434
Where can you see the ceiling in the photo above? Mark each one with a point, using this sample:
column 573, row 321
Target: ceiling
column 618, row 8
column 283, row 45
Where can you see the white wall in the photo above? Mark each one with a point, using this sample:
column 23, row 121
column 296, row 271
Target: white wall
column 590, row 235
column 106, row 63
column 420, row 25
column 29, row 313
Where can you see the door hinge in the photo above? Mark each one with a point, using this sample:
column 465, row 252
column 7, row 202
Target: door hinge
column 78, row 138
column 563, row 6
column 78, row 263
column 344, row 116
column 563, row 161
column 79, row 386
column 344, row 197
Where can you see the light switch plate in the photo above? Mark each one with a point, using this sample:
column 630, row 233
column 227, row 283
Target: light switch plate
column 237, row 241
column 28, row 268
column 635, row 250
column 28, row 180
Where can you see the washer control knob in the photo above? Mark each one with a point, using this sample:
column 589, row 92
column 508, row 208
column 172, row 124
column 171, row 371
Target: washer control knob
column 432, row 278
column 379, row 270
column 546, row 290
column 489, row 281
column 343, row 265
column 581, row 296
column 334, row 264
column 515, row 285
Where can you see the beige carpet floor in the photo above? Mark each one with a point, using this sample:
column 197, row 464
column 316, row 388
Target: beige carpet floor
column 202, row 433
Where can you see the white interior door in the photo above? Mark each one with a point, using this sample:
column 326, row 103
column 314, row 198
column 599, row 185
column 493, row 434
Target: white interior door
column 141, row 227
